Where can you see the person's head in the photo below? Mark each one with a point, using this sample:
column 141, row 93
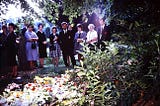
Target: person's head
column 30, row 27
column 11, row 27
column 79, row 27
column 4, row 28
column 70, row 27
column 54, row 29
column 40, row 27
column 91, row 27
column 64, row 25
column 102, row 21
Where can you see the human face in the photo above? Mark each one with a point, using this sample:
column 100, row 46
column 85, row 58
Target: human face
column 53, row 30
column 30, row 28
column 40, row 27
column 64, row 26
column 4, row 30
column 10, row 28
column 79, row 29
column 91, row 28
column 101, row 21
column 69, row 27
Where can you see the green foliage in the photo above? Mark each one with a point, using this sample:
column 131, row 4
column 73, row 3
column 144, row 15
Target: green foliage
column 109, row 75
column 149, row 53
column 51, row 10
column 132, row 25
column 74, row 8
column 140, row 32
column 77, row 8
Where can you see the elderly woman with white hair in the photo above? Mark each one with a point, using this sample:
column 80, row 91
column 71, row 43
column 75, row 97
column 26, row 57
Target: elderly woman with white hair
column 92, row 36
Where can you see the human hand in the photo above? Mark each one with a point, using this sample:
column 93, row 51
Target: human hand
column 45, row 42
column 79, row 40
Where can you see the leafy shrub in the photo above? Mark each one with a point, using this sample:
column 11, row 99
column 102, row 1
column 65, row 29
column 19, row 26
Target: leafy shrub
column 109, row 76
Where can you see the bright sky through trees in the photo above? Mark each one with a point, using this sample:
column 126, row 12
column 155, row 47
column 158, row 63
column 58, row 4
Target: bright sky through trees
column 15, row 11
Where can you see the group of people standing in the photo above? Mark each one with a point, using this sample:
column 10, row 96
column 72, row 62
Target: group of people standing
column 66, row 42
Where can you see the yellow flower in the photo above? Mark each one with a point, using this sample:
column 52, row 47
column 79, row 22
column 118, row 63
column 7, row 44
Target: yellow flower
column 67, row 102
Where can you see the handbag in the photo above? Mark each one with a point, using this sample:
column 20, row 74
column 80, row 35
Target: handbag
column 33, row 45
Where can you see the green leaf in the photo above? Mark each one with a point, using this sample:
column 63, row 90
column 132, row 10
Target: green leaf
column 82, row 100
column 130, row 26
column 137, row 24
column 81, row 73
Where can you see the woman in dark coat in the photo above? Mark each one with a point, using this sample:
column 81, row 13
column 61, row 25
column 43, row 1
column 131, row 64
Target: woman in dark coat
column 42, row 43
column 11, row 50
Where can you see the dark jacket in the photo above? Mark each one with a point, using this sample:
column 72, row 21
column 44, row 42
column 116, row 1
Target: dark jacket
column 41, row 39
column 66, row 41
column 51, row 37
column 3, row 38
column 11, row 48
column 105, row 34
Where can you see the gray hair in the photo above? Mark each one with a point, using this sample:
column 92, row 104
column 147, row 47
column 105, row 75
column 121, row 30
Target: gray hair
column 91, row 25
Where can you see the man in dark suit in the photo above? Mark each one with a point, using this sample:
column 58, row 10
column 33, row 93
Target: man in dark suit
column 66, row 41
column 103, row 32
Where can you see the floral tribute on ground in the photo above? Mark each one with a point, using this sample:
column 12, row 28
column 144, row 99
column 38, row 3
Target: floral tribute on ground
column 44, row 90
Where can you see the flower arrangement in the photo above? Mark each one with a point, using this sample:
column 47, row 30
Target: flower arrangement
column 43, row 90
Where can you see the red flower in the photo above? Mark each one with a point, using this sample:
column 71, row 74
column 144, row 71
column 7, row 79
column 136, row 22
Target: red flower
column 33, row 89
column 29, row 84
column 75, row 84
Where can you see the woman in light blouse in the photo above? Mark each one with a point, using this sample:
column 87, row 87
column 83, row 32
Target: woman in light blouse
column 92, row 36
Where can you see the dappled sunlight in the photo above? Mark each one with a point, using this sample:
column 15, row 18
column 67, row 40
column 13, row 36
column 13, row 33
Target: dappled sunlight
column 13, row 12
column 35, row 6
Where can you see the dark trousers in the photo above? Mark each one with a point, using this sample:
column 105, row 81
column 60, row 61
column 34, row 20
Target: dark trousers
column 3, row 62
column 69, row 53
